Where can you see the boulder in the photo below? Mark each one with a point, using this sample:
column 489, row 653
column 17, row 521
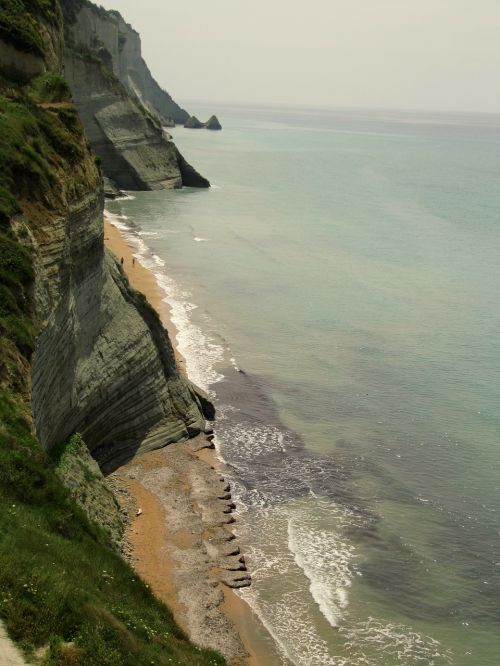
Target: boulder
column 193, row 123
column 213, row 123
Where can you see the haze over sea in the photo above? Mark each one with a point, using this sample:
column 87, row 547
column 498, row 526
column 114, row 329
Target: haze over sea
column 349, row 264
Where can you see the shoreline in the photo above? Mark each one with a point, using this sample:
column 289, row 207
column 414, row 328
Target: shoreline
column 167, row 539
column 143, row 280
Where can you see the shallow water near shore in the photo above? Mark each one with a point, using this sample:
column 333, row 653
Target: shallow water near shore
column 349, row 264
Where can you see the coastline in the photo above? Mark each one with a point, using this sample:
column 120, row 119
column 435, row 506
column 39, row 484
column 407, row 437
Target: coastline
column 172, row 523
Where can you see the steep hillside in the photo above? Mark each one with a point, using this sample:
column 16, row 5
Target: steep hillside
column 92, row 28
column 122, row 125
column 80, row 351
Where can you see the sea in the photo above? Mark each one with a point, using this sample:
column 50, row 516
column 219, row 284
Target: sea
column 337, row 291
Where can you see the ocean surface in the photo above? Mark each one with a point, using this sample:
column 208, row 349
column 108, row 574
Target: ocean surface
column 338, row 291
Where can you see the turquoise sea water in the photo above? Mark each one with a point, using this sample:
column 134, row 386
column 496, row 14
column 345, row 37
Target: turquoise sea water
column 349, row 263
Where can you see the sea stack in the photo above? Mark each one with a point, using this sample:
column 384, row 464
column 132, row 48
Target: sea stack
column 213, row 123
column 193, row 123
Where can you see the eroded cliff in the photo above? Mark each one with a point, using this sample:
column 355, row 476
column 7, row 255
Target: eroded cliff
column 80, row 350
column 92, row 28
column 114, row 93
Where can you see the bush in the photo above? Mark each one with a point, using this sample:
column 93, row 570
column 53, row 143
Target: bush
column 19, row 22
column 50, row 87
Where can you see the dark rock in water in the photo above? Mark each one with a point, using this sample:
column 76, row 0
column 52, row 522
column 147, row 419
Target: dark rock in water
column 110, row 189
column 207, row 406
column 190, row 177
column 213, row 123
column 122, row 108
column 193, row 123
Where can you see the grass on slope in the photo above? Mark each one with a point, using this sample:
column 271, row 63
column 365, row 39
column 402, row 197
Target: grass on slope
column 64, row 593
column 62, row 586
column 19, row 22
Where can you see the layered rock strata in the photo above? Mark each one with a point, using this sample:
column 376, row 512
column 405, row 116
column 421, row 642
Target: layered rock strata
column 90, row 27
column 135, row 154
column 103, row 364
column 111, row 86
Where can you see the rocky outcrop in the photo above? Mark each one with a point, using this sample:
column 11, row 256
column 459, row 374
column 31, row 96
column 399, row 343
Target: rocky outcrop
column 213, row 123
column 110, row 189
column 91, row 27
column 80, row 473
column 134, row 153
column 103, row 365
column 79, row 351
column 190, row 177
column 108, row 78
column 193, row 123
column 20, row 68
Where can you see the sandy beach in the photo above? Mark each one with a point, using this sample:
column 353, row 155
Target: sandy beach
column 179, row 538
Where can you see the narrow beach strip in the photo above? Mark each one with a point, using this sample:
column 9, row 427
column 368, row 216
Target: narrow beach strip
column 178, row 537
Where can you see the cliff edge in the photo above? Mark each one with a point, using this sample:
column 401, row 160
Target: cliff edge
column 92, row 28
column 80, row 351
column 114, row 93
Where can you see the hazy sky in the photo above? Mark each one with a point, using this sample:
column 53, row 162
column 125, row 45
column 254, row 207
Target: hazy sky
column 412, row 54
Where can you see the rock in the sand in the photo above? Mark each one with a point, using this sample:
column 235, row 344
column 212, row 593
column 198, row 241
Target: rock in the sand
column 213, row 123
column 235, row 579
column 139, row 512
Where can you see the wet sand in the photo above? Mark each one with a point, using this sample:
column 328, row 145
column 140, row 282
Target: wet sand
column 181, row 543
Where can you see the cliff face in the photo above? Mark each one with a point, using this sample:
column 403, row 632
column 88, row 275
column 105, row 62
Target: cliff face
column 103, row 364
column 114, row 92
column 90, row 27
column 79, row 351
column 134, row 152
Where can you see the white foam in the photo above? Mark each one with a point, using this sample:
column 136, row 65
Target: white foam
column 327, row 560
column 200, row 351
column 393, row 643
column 287, row 615
column 201, row 240
column 126, row 196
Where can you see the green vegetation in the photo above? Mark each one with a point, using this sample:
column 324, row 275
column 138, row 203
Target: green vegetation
column 81, row 475
column 50, row 87
column 20, row 22
column 36, row 139
column 16, row 276
column 62, row 587
column 64, row 591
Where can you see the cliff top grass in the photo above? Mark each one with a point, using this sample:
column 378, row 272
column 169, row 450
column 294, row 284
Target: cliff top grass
column 20, row 22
